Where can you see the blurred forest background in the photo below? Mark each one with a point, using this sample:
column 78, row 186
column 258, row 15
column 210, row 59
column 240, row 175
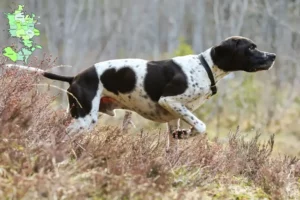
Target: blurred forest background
column 81, row 33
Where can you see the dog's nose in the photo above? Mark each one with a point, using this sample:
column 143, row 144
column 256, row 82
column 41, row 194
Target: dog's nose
column 272, row 56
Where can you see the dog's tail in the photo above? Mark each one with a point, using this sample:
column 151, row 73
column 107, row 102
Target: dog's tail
column 49, row 75
column 68, row 79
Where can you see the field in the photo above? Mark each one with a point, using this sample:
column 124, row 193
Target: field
column 251, row 149
column 227, row 163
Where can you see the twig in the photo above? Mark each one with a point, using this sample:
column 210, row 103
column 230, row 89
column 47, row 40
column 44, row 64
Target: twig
column 32, row 69
column 49, row 85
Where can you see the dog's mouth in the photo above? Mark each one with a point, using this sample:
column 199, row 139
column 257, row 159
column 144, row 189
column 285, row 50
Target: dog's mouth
column 272, row 64
column 266, row 65
column 263, row 61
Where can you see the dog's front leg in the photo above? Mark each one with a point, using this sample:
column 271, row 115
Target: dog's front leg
column 171, row 127
column 179, row 110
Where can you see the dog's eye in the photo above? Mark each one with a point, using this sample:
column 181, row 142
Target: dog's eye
column 252, row 47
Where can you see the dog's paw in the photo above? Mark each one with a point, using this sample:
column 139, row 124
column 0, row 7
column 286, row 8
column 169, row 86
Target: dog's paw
column 73, row 127
column 181, row 133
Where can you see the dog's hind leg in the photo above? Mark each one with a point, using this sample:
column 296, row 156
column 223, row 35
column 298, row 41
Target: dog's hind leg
column 95, row 109
column 179, row 110
column 127, row 121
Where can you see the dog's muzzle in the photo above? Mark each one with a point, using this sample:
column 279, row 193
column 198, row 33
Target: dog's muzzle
column 267, row 63
column 271, row 57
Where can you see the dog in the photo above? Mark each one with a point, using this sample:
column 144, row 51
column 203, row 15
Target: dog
column 164, row 91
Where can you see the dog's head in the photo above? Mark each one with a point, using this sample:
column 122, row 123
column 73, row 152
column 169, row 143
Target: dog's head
column 240, row 54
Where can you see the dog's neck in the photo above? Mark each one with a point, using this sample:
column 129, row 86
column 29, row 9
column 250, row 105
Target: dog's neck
column 217, row 72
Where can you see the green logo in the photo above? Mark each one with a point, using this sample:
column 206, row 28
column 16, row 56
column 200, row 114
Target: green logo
column 21, row 26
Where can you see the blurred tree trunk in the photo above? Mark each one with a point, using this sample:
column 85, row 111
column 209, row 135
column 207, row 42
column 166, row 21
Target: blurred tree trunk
column 199, row 13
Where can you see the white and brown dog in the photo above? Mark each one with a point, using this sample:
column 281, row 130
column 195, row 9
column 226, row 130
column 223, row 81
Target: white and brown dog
column 162, row 91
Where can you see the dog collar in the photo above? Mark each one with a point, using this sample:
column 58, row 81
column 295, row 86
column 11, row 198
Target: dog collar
column 213, row 86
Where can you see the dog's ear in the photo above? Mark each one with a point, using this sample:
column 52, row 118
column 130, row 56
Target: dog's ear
column 225, row 49
column 223, row 54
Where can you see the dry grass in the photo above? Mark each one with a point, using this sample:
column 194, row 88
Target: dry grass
column 105, row 164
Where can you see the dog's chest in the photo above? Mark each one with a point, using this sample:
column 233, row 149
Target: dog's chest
column 195, row 103
column 198, row 90
column 197, row 96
